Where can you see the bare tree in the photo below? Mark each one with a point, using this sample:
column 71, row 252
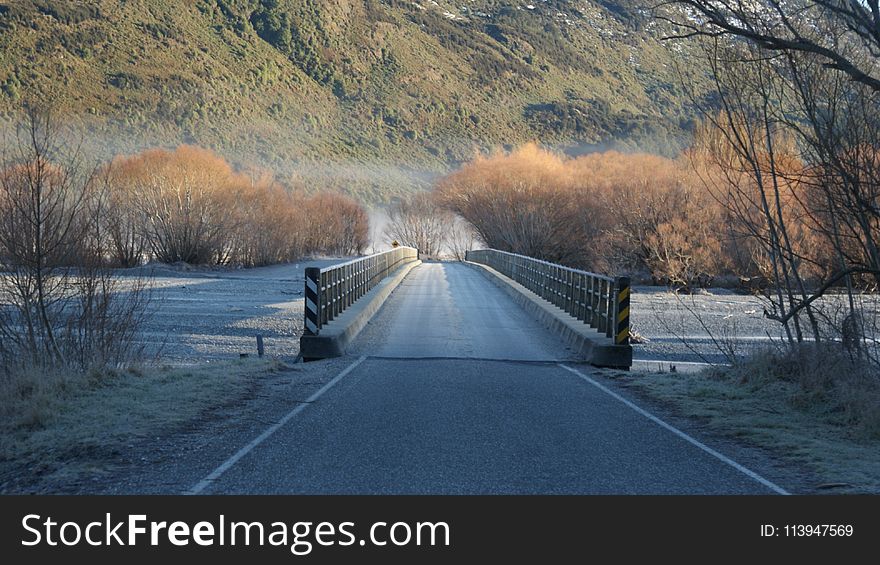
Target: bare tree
column 826, row 29
column 750, row 149
column 43, row 203
column 461, row 238
column 124, row 223
column 59, row 306
column 839, row 125
column 798, row 87
column 418, row 221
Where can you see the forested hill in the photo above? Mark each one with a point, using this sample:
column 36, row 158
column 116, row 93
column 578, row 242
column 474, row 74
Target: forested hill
column 369, row 94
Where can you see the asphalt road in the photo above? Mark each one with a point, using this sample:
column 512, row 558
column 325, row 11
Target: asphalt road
column 450, row 310
column 456, row 390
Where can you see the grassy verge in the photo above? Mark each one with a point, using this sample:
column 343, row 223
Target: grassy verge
column 61, row 427
column 831, row 429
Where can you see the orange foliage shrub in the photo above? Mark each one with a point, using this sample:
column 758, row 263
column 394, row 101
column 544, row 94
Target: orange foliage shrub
column 655, row 217
column 603, row 211
column 761, row 199
column 190, row 205
column 681, row 222
column 336, row 223
column 525, row 202
column 183, row 199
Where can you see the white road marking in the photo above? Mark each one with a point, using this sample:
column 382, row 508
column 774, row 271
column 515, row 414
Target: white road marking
column 748, row 472
column 226, row 465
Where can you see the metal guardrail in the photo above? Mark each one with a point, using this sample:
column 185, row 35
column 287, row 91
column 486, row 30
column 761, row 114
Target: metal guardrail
column 330, row 290
column 599, row 301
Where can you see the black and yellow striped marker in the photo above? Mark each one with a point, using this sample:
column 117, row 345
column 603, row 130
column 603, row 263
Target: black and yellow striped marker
column 622, row 330
column 313, row 301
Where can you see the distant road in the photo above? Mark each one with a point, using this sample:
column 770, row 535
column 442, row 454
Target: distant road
column 454, row 389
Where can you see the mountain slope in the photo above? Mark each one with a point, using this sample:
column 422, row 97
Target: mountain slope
column 371, row 95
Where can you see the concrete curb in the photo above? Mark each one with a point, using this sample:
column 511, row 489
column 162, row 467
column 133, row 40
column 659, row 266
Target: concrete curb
column 335, row 336
column 586, row 343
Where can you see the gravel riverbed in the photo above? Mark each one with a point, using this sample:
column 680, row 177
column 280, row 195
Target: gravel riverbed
column 206, row 315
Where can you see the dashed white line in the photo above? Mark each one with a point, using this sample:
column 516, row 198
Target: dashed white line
column 226, row 465
column 742, row 469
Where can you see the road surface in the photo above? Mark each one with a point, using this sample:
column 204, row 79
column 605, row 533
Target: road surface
column 450, row 310
column 453, row 389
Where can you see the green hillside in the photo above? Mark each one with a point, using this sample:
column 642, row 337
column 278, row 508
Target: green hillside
column 374, row 96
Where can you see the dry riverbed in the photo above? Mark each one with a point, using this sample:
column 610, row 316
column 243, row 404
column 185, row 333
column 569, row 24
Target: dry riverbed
column 209, row 315
column 708, row 326
column 201, row 315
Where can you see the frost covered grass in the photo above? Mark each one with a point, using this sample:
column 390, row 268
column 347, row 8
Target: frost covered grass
column 815, row 408
column 53, row 423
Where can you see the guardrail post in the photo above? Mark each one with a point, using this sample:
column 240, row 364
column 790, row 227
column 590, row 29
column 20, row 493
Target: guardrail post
column 313, row 301
column 327, row 297
column 594, row 303
column 572, row 294
column 610, row 303
column 621, row 331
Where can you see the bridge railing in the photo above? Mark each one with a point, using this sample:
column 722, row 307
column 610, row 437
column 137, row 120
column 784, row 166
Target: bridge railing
column 330, row 290
column 597, row 300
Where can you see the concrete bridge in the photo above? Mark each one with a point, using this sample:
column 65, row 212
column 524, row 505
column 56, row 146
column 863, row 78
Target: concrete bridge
column 494, row 305
column 473, row 377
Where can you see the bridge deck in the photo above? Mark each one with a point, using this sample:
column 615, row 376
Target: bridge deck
column 451, row 310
